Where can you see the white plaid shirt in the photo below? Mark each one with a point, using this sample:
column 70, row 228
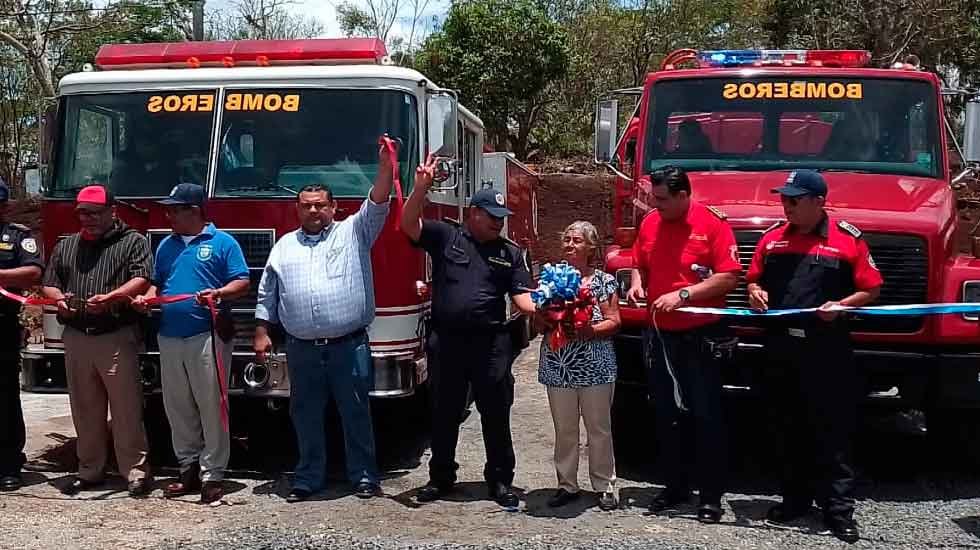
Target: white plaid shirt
column 321, row 286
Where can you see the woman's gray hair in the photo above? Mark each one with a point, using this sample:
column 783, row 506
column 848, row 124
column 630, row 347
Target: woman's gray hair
column 589, row 233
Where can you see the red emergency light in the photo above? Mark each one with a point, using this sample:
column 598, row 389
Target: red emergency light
column 241, row 52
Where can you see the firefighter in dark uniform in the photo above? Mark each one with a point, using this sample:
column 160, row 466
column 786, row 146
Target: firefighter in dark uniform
column 474, row 270
column 20, row 267
column 811, row 384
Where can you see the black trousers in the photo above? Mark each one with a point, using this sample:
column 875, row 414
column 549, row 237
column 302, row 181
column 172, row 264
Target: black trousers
column 691, row 443
column 482, row 361
column 12, row 432
column 811, row 391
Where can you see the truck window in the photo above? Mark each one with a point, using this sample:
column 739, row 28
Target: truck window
column 274, row 142
column 869, row 125
column 139, row 144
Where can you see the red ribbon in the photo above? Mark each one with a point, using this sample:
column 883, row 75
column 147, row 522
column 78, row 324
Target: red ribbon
column 28, row 301
column 392, row 149
column 220, row 363
column 578, row 313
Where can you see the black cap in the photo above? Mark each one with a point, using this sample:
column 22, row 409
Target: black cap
column 190, row 194
column 492, row 201
column 4, row 191
column 803, row 182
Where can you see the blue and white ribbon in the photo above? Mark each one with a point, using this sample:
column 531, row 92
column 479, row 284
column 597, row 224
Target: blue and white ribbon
column 905, row 309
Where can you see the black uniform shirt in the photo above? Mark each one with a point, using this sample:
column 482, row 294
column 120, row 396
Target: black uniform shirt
column 17, row 249
column 470, row 280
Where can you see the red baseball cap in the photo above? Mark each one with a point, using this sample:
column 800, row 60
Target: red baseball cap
column 95, row 194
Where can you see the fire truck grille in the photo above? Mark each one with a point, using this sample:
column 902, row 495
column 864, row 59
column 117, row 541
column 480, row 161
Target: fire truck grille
column 904, row 265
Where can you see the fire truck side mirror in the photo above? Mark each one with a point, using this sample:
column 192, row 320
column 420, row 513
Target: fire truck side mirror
column 442, row 125
column 971, row 134
column 606, row 120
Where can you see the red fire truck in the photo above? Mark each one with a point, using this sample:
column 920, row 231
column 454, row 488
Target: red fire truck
column 254, row 122
column 739, row 121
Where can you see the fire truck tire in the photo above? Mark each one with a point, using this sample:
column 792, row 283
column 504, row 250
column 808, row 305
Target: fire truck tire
column 954, row 437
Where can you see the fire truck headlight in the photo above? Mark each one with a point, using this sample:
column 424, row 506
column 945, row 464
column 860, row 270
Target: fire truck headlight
column 971, row 294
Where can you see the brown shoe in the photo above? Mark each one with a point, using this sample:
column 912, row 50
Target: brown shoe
column 212, row 491
column 187, row 483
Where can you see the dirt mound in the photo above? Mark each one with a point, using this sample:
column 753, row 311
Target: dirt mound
column 567, row 197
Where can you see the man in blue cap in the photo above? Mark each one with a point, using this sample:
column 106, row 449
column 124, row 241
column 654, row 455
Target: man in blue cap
column 20, row 267
column 473, row 270
column 195, row 259
column 811, row 383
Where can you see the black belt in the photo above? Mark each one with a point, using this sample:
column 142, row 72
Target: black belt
column 336, row 340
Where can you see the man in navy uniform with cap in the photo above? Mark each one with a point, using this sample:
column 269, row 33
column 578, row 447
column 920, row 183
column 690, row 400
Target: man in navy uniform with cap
column 20, row 267
column 811, row 384
column 474, row 269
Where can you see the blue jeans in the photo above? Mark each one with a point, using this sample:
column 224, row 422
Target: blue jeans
column 343, row 370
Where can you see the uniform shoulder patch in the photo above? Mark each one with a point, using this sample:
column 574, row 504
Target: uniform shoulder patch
column 776, row 225
column 21, row 227
column 849, row 229
column 721, row 215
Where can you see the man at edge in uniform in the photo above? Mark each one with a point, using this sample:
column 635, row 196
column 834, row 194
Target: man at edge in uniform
column 811, row 383
column 20, row 267
column 686, row 255
column 473, row 270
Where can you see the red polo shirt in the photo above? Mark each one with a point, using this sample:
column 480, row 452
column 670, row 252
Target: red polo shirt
column 667, row 250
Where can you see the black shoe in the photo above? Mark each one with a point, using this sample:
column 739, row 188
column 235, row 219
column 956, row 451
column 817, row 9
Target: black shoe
column 561, row 498
column 78, row 485
column 608, row 501
column 503, row 495
column 844, row 528
column 140, row 487
column 709, row 513
column 10, row 483
column 667, row 499
column 783, row 513
column 298, row 494
column 365, row 489
column 432, row 492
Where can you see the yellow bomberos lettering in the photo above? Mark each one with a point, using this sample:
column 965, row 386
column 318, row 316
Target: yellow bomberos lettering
column 190, row 103
column 793, row 90
column 290, row 103
column 233, row 102
column 273, row 102
column 797, row 90
column 252, row 102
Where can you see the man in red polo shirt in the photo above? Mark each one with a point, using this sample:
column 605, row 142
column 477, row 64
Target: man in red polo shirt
column 686, row 255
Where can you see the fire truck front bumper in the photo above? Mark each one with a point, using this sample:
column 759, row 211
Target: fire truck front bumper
column 395, row 375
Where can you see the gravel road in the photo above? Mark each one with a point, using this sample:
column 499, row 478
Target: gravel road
column 905, row 501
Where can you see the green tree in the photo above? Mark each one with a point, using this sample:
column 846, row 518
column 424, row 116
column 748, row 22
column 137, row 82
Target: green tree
column 501, row 55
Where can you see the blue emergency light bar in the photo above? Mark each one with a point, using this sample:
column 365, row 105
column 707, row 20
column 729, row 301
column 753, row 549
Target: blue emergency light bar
column 815, row 58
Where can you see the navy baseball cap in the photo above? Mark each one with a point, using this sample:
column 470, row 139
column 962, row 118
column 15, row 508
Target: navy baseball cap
column 803, row 182
column 4, row 191
column 190, row 194
column 492, row 201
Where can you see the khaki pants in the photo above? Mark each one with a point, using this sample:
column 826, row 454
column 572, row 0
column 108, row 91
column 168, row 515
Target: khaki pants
column 103, row 378
column 593, row 404
column 192, row 399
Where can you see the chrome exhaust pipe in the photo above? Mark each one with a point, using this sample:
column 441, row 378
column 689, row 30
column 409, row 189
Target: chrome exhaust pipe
column 256, row 375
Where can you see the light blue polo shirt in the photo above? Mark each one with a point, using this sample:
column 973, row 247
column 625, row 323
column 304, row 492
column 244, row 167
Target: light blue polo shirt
column 211, row 260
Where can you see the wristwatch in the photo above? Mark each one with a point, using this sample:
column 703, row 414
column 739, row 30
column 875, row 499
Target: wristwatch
column 685, row 294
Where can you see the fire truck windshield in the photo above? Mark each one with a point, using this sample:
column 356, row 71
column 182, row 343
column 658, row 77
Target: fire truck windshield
column 779, row 123
column 140, row 144
column 317, row 136
column 273, row 142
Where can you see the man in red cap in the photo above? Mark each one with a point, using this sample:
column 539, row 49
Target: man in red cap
column 94, row 274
